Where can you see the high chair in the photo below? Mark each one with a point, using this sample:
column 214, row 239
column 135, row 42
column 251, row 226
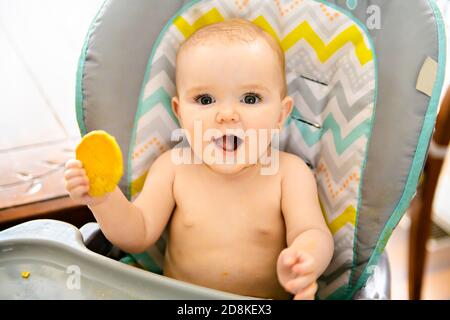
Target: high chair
column 366, row 77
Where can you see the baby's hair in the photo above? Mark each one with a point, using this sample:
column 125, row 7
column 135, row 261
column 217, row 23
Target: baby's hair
column 232, row 31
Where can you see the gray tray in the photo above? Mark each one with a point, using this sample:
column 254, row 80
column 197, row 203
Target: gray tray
column 61, row 267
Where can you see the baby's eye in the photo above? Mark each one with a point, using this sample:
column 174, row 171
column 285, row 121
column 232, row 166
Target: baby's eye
column 204, row 99
column 251, row 98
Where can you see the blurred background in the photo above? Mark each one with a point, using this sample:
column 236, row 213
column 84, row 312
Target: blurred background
column 40, row 43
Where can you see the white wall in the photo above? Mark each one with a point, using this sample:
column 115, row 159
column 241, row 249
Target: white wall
column 40, row 42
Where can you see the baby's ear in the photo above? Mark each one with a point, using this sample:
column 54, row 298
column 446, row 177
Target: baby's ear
column 176, row 107
column 286, row 108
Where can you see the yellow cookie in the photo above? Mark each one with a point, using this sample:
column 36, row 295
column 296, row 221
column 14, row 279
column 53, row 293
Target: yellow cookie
column 102, row 159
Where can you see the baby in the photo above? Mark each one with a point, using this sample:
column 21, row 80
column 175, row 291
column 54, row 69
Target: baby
column 231, row 228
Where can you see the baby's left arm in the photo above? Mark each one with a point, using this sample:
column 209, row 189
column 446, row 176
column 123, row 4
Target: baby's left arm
column 310, row 243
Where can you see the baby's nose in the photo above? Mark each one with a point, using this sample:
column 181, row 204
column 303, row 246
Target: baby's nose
column 227, row 115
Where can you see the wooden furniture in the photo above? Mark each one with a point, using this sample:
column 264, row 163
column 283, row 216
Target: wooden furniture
column 62, row 208
column 32, row 185
column 421, row 209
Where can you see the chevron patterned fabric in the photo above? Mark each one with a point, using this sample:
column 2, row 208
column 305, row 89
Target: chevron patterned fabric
column 331, row 74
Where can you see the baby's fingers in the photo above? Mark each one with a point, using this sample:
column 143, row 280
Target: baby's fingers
column 79, row 192
column 73, row 163
column 305, row 265
column 289, row 258
column 298, row 284
column 74, row 172
column 76, row 182
column 308, row 293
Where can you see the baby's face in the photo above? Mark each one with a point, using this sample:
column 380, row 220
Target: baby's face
column 224, row 87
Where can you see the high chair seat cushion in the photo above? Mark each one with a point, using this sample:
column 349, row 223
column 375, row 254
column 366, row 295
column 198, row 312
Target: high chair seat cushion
column 331, row 74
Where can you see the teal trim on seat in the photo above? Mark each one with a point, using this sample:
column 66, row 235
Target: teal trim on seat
column 147, row 262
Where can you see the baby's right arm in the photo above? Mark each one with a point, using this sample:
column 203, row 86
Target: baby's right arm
column 133, row 227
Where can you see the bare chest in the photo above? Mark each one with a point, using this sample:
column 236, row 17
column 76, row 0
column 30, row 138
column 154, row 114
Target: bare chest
column 236, row 210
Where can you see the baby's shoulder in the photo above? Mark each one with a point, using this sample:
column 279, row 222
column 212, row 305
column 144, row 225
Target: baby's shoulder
column 290, row 163
column 175, row 159
column 163, row 162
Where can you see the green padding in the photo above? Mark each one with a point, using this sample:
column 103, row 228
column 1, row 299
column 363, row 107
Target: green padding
column 145, row 261
column 128, row 260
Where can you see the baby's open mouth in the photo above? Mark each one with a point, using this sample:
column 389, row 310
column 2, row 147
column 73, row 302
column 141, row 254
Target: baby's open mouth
column 228, row 143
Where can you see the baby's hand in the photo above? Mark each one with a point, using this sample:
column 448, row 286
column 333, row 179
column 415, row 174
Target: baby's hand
column 77, row 184
column 296, row 274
